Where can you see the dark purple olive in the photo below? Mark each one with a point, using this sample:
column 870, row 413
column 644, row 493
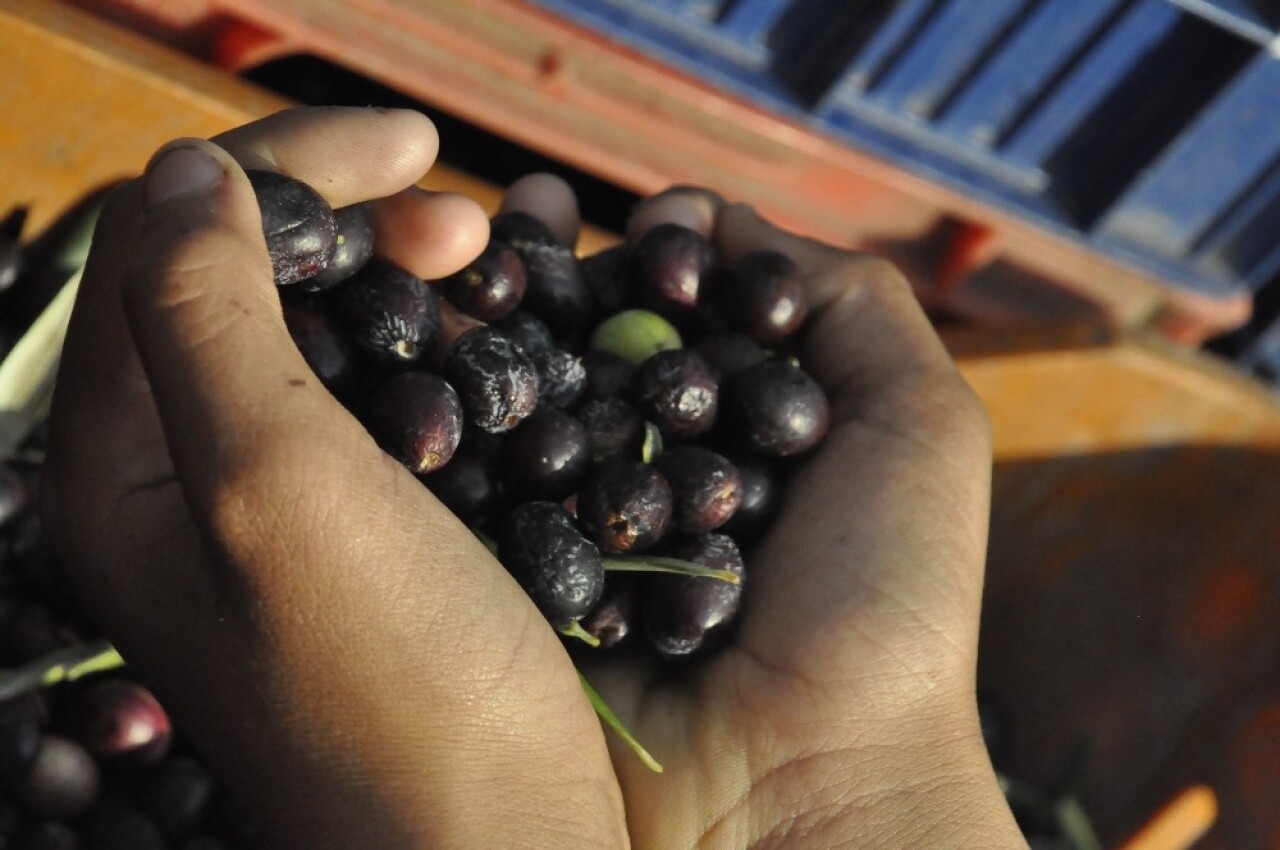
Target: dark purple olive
column 546, row 457
column 624, row 505
column 608, row 374
column 467, row 485
column 561, row 570
column 521, row 231
column 120, row 719
column 63, row 782
column 614, row 426
column 612, row 618
column 416, row 418
column 117, row 828
column 678, row 391
column 176, row 795
column 761, row 499
column 45, row 835
column 491, row 285
column 562, row 379
column 668, row 266
column 298, row 224
column 774, row 409
column 556, row 290
column 20, row 738
column 683, row 616
column 606, row 274
column 527, row 331
column 730, row 353
column 389, row 312
column 324, row 347
column 764, row 297
column 36, row 566
column 353, row 248
column 706, row 486
column 497, row 382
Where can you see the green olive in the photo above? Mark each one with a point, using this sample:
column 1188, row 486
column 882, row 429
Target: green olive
column 635, row 335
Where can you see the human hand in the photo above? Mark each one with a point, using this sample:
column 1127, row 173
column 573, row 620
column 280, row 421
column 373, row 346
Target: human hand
column 342, row 651
column 843, row 712
column 364, row 673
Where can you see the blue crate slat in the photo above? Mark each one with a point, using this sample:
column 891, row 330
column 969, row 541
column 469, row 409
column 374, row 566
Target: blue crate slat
column 1263, row 354
column 956, row 38
column 1239, row 16
column 1232, row 144
column 691, row 45
column 906, row 17
column 1126, row 44
column 750, row 21
column 1023, row 70
column 1244, row 241
column 1056, row 109
column 704, row 9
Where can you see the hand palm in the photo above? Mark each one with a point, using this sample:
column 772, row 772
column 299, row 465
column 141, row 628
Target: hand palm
column 855, row 619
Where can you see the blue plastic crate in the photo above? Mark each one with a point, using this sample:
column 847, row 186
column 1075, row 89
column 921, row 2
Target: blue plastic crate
column 1145, row 129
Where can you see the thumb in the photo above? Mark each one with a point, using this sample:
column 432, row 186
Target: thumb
column 230, row 385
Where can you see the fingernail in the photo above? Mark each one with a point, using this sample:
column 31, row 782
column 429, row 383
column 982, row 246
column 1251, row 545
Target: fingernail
column 181, row 171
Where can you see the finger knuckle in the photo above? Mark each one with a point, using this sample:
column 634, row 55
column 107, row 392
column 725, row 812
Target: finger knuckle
column 877, row 272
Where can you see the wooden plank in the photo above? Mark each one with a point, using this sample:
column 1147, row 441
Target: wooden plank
column 1081, row 390
column 86, row 103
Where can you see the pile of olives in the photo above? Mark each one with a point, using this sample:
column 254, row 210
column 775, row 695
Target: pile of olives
column 632, row 411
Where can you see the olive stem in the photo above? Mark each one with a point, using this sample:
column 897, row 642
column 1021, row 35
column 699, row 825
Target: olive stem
column 654, row 564
column 61, row 665
column 575, row 630
column 651, row 448
column 611, row 720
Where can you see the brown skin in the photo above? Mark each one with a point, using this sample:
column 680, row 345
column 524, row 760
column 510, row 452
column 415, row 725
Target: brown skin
column 363, row 673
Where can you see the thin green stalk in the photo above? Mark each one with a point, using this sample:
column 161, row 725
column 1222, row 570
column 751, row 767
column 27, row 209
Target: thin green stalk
column 575, row 630
column 62, row 665
column 655, row 564
column 611, row 720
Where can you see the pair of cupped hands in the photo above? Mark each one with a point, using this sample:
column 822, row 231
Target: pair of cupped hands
column 358, row 668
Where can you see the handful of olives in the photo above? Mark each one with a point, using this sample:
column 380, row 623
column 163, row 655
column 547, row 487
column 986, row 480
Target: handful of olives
column 632, row 411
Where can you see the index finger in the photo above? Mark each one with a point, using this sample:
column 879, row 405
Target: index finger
column 347, row 154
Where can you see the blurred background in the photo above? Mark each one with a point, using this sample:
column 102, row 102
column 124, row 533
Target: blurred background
column 1084, row 193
